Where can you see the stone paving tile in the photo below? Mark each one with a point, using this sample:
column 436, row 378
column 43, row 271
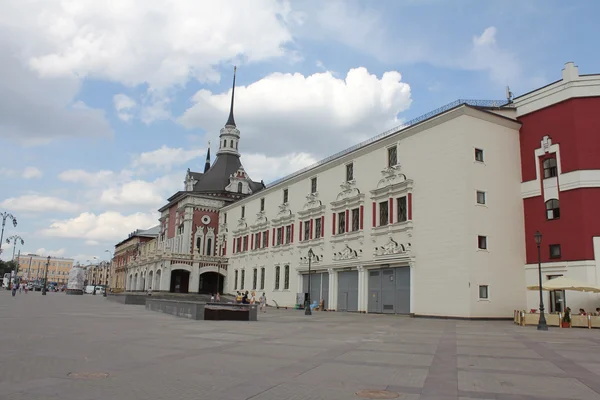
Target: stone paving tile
column 525, row 385
column 285, row 355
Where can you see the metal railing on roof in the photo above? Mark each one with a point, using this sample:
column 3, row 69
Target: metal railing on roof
column 443, row 109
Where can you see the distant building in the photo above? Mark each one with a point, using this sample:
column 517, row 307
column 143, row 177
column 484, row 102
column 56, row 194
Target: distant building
column 126, row 253
column 32, row 267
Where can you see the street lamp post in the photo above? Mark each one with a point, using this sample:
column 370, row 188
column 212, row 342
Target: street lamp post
column 5, row 216
column 307, row 310
column 542, row 326
column 15, row 239
column 46, row 277
column 108, row 270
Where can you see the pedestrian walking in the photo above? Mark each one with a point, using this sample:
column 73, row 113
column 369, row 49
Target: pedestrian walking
column 14, row 290
column 263, row 302
column 218, row 298
column 20, row 288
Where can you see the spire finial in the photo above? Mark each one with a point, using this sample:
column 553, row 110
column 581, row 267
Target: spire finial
column 230, row 120
column 207, row 163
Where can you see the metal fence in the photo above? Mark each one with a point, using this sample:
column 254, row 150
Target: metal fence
column 443, row 109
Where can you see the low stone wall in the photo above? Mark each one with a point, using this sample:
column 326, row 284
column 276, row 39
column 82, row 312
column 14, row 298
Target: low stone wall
column 127, row 298
column 185, row 309
column 230, row 312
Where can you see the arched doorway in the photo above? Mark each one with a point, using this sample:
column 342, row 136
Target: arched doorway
column 157, row 281
column 150, row 283
column 210, row 282
column 180, row 280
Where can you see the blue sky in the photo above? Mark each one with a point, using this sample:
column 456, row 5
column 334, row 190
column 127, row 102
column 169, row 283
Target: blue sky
column 105, row 105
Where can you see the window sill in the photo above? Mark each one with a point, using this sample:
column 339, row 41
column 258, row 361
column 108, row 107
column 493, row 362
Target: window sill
column 483, row 251
column 392, row 228
column 359, row 234
column 311, row 242
column 479, row 162
column 484, row 300
column 481, row 205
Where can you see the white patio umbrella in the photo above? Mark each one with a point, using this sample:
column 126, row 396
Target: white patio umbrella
column 564, row 283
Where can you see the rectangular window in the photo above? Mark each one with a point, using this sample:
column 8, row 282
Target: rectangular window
column 235, row 282
column 288, row 234
column 383, row 213
column 479, row 155
column 254, row 278
column 482, row 242
column 225, row 218
column 262, row 278
column 265, row 238
column 555, row 251
column 243, row 211
column 286, row 277
column 257, row 241
column 480, row 197
column 313, row 185
column 483, row 292
column 277, row 278
column 239, row 245
column 392, row 156
column 550, row 168
column 342, row 222
column 243, row 278
column 279, row 235
column 262, row 204
column 245, row 243
column 349, row 172
column 355, row 219
column 317, row 228
column 402, row 209
column 285, row 196
column 306, row 230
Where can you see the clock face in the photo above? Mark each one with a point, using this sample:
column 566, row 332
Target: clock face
column 205, row 219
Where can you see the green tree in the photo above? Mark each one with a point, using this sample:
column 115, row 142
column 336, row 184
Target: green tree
column 6, row 267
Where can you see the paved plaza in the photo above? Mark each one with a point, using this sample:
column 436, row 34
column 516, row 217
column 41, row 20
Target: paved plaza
column 285, row 355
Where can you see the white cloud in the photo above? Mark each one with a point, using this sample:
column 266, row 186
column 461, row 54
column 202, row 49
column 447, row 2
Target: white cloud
column 502, row 65
column 167, row 157
column 300, row 111
column 31, row 173
column 109, row 226
column 52, row 253
column 34, row 203
column 159, row 42
column 268, row 169
column 92, row 243
column 99, row 178
column 124, row 105
column 135, row 193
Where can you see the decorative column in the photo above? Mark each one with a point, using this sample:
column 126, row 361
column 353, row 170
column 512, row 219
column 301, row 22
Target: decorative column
column 411, row 264
column 333, row 288
column 188, row 217
column 362, row 289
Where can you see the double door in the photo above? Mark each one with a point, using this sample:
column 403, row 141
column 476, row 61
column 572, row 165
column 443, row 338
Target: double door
column 389, row 290
column 319, row 287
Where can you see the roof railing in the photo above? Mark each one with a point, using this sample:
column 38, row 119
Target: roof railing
column 441, row 110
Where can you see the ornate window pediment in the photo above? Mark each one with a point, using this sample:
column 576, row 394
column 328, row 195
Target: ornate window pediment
column 261, row 223
column 316, row 260
column 347, row 253
column 242, row 227
column 313, row 207
column 349, row 197
column 284, row 216
column 392, row 248
column 393, row 182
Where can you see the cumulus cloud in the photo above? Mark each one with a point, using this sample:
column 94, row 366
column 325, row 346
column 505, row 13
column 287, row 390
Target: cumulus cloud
column 259, row 166
column 35, row 203
column 485, row 54
column 31, row 173
column 167, row 157
column 160, row 42
column 107, row 227
column 98, row 178
column 138, row 193
column 301, row 110
column 52, row 253
column 124, row 106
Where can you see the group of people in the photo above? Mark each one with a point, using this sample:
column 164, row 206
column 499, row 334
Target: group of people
column 20, row 287
column 583, row 312
column 247, row 298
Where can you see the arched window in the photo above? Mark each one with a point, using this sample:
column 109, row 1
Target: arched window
column 208, row 247
column 550, row 169
column 239, row 187
column 243, row 279
column 231, row 141
column 235, row 282
column 276, row 278
column 286, row 277
column 552, row 209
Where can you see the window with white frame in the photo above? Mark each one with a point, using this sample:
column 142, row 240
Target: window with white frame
column 482, row 243
column 484, row 292
column 550, row 168
column 254, row 278
column 355, row 219
column 349, row 172
column 243, row 211
column 402, row 209
column 277, row 271
column 235, row 282
column 262, row 278
column 383, row 213
column 481, row 197
column 555, row 251
column 313, row 185
column 262, row 204
column 288, row 234
column 285, row 196
column 318, row 228
column 392, row 153
column 306, row 230
column 552, row 209
column 243, row 279
column 286, row 277
column 265, row 238
column 279, row 235
column 342, row 222
column 479, row 155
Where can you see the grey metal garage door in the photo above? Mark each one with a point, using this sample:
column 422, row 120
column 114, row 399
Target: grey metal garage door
column 389, row 290
column 319, row 287
column 347, row 291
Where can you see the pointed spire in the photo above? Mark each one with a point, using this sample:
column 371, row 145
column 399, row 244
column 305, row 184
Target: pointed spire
column 230, row 120
column 207, row 164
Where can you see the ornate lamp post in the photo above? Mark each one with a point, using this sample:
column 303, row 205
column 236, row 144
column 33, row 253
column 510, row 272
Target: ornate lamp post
column 46, row 277
column 307, row 310
column 542, row 326
column 15, row 239
column 5, row 216
column 108, row 268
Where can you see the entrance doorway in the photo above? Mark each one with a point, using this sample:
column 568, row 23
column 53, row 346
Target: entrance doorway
column 180, row 280
column 210, row 282
column 319, row 287
column 389, row 290
column 347, row 291
column 557, row 297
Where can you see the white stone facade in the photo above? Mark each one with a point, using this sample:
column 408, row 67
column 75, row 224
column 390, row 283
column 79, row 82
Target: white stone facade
column 434, row 239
